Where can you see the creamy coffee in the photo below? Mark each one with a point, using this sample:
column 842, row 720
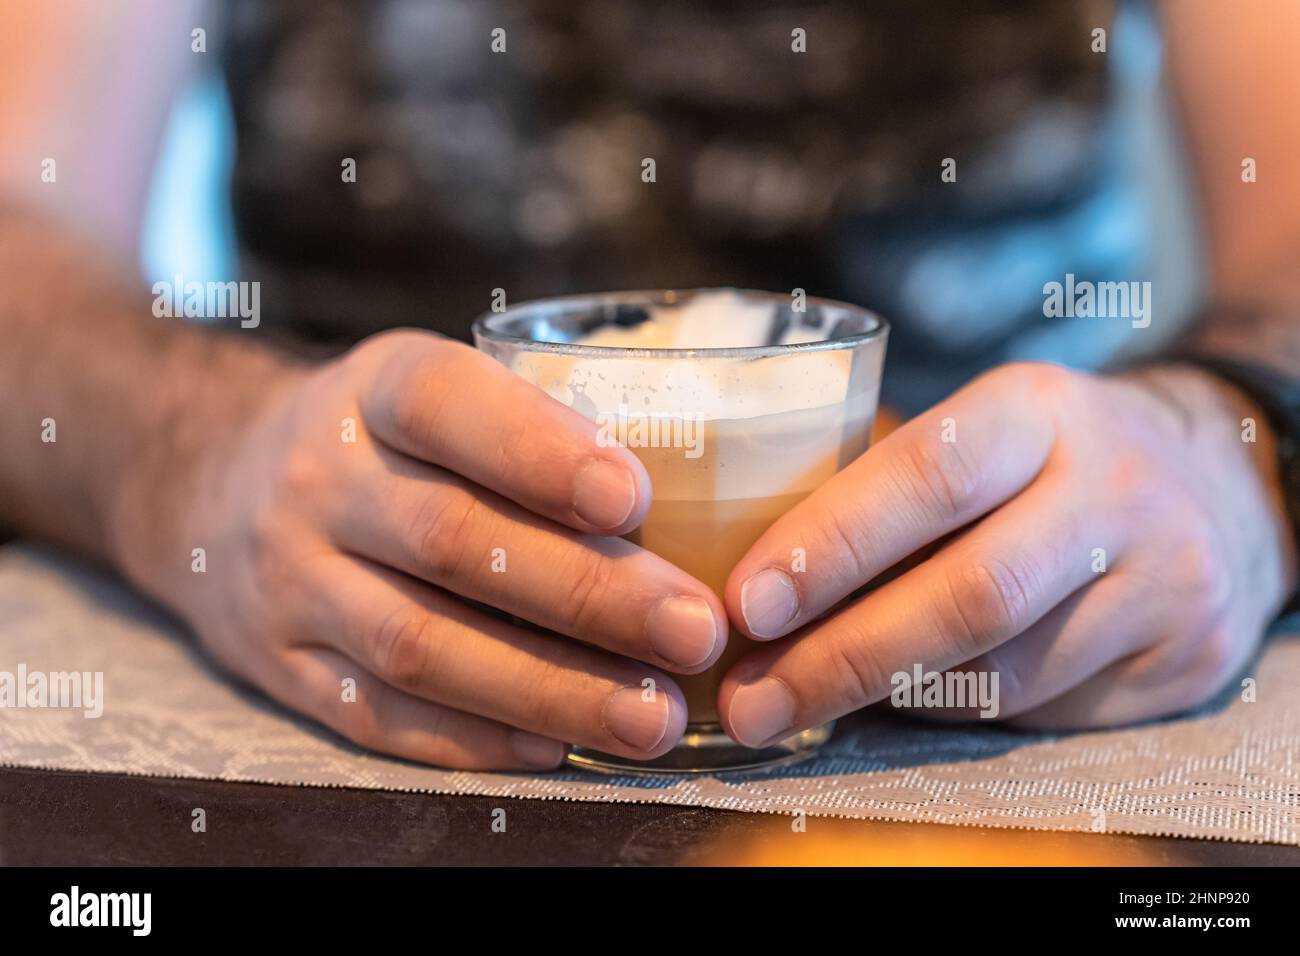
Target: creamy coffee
column 730, row 444
column 697, row 525
column 740, row 404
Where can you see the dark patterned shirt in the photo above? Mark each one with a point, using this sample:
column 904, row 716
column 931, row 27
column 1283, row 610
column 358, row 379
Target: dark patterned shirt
column 774, row 169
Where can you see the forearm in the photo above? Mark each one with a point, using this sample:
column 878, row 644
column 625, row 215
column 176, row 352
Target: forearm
column 1260, row 324
column 105, row 406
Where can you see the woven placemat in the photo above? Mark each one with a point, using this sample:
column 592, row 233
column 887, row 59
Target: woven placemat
column 1231, row 771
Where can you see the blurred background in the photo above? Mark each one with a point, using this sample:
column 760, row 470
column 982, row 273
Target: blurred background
column 521, row 168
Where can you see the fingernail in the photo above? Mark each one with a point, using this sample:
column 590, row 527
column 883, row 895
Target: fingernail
column 760, row 711
column 604, row 494
column 769, row 602
column 639, row 723
column 536, row 751
column 682, row 630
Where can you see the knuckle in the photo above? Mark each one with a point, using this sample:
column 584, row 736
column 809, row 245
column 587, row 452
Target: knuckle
column 408, row 412
column 511, row 464
column 264, row 543
column 418, row 403
column 387, row 342
column 546, row 695
column 1203, row 574
column 444, row 528
column 1012, row 696
column 942, row 476
column 1217, row 660
column 303, row 475
column 360, row 724
column 848, row 537
column 1131, row 477
column 860, row 676
column 585, row 596
column 403, row 647
column 438, row 732
column 1043, row 388
column 1043, row 379
column 990, row 598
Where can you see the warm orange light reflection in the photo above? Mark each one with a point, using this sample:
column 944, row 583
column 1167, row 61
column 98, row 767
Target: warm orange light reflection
column 886, row 421
column 835, row 842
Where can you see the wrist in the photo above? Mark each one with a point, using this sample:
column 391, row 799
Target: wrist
column 1235, row 451
column 214, row 389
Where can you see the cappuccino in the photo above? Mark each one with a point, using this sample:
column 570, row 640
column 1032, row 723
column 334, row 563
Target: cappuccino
column 739, row 404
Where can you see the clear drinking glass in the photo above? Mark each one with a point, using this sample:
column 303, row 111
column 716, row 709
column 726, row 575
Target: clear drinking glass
column 772, row 397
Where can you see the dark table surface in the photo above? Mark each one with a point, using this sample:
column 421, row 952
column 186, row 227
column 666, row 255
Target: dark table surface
column 78, row 819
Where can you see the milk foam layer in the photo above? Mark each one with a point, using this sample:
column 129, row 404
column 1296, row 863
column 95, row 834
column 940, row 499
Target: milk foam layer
column 775, row 425
column 705, row 388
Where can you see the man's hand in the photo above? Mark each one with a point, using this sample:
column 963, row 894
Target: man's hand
column 344, row 523
column 1019, row 490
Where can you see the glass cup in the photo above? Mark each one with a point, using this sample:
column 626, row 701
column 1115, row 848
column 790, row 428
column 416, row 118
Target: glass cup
column 739, row 404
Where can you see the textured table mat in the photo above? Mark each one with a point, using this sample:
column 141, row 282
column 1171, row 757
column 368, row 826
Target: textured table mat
column 1232, row 771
